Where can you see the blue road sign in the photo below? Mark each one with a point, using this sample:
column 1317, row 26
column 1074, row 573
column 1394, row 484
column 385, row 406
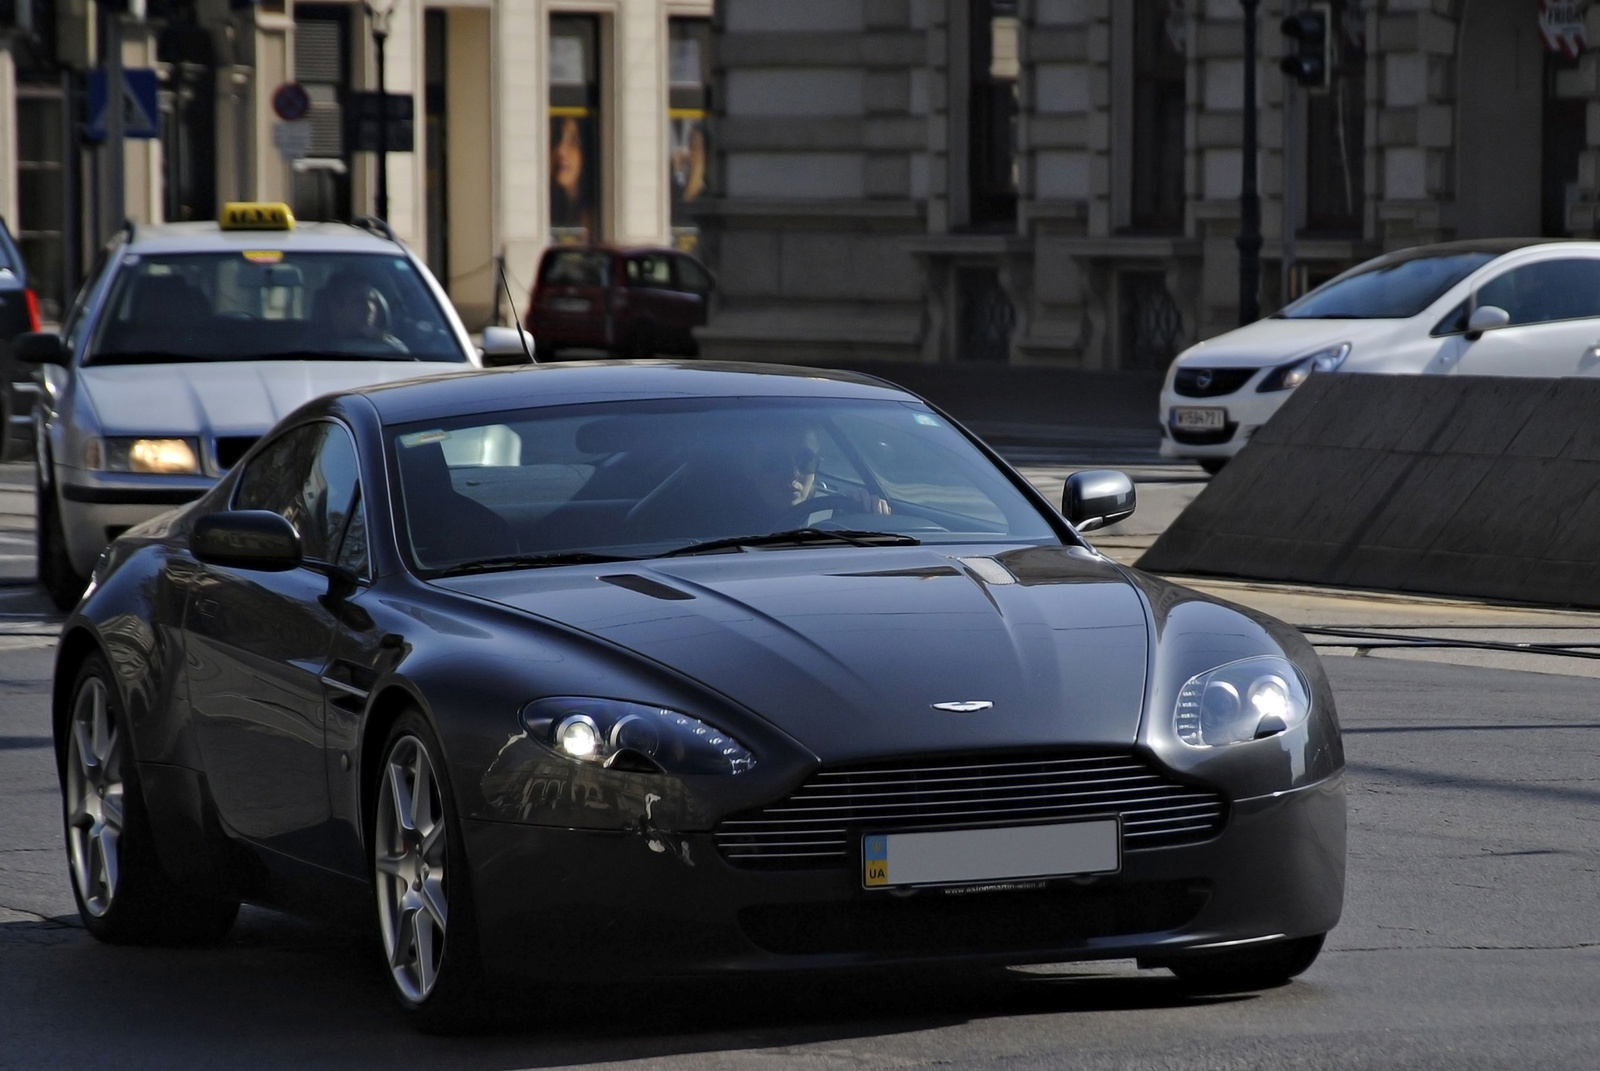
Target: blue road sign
column 141, row 115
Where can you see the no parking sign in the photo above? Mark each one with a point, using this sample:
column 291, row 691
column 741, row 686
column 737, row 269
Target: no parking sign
column 291, row 102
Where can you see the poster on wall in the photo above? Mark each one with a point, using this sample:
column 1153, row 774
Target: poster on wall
column 687, row 151
column 574, row 186
column 1561, row 24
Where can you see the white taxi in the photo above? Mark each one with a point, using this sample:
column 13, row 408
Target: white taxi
column 1506, row 307
column 190, row 340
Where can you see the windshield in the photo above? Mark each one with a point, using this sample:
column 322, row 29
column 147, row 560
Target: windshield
column 271, row 304
column 645, row 479
column 1387, row 289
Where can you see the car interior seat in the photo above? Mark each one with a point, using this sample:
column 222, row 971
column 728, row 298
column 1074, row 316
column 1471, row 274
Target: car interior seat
column 447, row 526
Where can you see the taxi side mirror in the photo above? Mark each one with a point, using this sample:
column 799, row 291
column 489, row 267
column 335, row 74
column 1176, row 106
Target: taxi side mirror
column 39, row 347
column 1097, row 499
column 505, row 346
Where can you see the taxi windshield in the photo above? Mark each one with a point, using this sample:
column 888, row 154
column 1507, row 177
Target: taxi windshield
column 271, row 304
column 643, row 479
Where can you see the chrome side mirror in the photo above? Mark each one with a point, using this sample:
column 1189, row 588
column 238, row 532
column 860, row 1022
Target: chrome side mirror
column 505, row 345
column 1097, row 499
column 1486, row 318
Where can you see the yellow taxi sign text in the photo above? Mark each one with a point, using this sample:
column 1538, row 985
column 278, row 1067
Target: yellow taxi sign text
column 256, row 216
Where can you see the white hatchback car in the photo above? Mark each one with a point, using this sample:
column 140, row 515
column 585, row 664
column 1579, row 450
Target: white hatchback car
column 1505, row 307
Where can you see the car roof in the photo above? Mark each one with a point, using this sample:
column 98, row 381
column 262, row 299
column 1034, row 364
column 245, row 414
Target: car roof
column 209, row 237
column 1495, row 247
column 622, row 250
column 587, row 382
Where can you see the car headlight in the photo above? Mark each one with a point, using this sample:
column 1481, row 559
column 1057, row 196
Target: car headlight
column 1245, row 700
column 632, row 736
column 172, row 457
column 1291, row 375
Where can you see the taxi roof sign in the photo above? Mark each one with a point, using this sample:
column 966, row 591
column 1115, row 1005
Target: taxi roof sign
column 256, row 216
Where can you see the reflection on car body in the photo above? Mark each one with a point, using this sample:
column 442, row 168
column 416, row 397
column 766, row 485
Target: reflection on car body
column 746, row 668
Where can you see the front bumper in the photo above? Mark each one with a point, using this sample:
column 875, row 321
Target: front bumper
column 1246, row 408
column 95, row 507
column 583, row 904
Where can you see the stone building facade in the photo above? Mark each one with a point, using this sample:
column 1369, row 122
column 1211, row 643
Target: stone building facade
column 1057, row 181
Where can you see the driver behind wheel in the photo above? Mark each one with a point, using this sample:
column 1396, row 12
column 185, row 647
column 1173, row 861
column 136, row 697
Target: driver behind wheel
column 783, row 470
column 354, row 314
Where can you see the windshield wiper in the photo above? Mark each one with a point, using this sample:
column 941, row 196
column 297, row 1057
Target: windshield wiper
column 799, row 537
column 533, row 561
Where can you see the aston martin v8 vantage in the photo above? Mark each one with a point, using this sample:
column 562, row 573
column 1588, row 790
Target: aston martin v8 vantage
column 658, row 668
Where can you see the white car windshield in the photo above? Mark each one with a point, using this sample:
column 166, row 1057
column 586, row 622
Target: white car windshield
column 1387, row 289
column 271, row 304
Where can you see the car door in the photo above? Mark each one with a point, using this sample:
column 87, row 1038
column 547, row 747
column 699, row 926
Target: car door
column 257, row 643
column 1554, row 328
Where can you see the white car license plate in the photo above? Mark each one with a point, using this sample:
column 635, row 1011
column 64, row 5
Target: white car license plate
column 967, row 856
column 1185, row 416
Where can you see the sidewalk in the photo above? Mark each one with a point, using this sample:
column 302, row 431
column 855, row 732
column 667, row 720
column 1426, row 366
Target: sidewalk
column 1163, row 492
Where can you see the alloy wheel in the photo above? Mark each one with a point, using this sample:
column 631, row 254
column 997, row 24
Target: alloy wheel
column 409, row 863
column 95, row 792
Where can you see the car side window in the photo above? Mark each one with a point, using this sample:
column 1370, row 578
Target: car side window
column 691, row 276
column 308, row 475
column 653, row 271
column 1546, row 292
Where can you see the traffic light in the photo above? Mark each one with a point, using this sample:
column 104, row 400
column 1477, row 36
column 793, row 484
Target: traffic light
column 1311, row 35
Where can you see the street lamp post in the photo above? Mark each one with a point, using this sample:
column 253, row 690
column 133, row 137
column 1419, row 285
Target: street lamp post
column 1249, row 241
column 380, row 33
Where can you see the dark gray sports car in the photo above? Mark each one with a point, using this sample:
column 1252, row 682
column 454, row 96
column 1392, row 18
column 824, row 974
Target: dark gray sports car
column 589, row 668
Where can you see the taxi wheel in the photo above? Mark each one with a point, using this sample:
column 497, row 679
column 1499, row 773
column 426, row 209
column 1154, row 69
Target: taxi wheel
column 1247, row 969
column 123, row 895
column 426, row 917
column 56, row 573
column 1213, row 465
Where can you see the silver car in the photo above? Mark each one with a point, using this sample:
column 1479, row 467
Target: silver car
column 190, row 340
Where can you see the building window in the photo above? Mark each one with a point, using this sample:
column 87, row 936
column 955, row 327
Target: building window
column 1565, row 139
column 575, row 129
column 321, row 186
column 688, row 150
column 437, row 160
column 1336, row 131
column 992, row 113
column 42, row 196
column 1159, row 98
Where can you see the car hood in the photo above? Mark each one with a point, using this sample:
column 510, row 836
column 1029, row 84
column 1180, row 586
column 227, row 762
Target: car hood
column 1270, row 341
column 227, row 397
column 849, row 650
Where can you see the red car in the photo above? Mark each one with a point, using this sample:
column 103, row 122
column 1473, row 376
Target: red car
column 633, row 302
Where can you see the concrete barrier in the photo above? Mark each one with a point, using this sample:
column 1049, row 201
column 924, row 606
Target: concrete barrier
column 1479, row 486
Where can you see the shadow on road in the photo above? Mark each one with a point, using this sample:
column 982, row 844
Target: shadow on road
column 283, row 992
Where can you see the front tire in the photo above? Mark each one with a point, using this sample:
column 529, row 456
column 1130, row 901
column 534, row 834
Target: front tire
column 424, row 894
column 1213, row 465
column 1247, row 969
column 63, row 583
column 123, row 895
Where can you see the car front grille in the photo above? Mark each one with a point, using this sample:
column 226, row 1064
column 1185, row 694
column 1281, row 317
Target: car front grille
column 817, row 827
column 1210, row 382
column 230, row 448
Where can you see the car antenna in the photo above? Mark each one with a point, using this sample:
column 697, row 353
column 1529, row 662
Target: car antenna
column 500, row 262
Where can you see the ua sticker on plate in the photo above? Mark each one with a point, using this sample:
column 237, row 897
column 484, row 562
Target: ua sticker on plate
column 876, row 852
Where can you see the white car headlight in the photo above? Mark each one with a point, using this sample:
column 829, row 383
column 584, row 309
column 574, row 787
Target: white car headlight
column 1291, row 375
column 172, row 457
column 1245, row 700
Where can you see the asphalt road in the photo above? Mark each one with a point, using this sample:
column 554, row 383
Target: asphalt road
column 1471, row 938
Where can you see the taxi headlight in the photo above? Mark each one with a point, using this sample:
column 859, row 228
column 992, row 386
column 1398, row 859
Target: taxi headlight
column 632, row 736
column 171, row 457
column 1246, row 700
